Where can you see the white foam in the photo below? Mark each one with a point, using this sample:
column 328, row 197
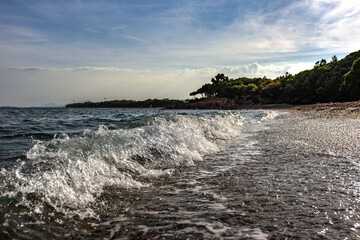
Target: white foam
column 270, row 114
column 70, row 173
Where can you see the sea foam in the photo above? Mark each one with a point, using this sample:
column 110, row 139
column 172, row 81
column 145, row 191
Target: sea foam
column 69, row 173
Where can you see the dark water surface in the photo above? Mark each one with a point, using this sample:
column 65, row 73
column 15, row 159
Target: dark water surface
column 151, row 174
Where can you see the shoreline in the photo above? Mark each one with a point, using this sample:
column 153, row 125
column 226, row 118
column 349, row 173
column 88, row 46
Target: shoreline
column 333, row 110
column 336, row 110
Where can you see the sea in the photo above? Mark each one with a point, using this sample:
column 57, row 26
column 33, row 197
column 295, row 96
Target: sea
column 177, row 174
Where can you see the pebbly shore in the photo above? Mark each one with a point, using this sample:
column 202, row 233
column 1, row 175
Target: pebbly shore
column 337, row 110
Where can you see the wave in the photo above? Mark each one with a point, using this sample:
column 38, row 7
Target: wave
column 69, row 173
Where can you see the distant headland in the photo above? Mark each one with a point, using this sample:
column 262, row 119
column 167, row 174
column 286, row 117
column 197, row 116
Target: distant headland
column 149, row 103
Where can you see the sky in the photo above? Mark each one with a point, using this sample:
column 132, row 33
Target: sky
column 64, row 51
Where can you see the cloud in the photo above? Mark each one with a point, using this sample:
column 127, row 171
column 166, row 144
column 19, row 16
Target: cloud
column 248, row 70
column 21, row 34
column 130, row 37
column 301, row 27
column 84, row 68
column 193, row 34
column 339, row 25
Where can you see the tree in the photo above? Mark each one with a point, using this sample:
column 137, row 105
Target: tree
column 219, row 78
column 351, row 82
column 334, row 58
column 322, row 62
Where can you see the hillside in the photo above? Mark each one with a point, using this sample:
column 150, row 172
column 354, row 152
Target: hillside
column 336, row 81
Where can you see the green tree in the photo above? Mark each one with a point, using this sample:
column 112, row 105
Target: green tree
column 351, row 82
column 322, row 62
column 220, row 78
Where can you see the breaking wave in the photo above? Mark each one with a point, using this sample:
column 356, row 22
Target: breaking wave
column 69, row 173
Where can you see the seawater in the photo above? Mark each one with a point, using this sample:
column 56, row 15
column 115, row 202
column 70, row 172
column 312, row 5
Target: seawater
column 161, row 174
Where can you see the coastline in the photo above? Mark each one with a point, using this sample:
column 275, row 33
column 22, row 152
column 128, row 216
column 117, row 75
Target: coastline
column 333, row 110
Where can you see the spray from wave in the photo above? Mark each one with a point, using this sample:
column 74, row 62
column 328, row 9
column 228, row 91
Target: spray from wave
column 70, row 173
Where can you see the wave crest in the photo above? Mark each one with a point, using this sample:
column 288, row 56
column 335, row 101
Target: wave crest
column 70, row 173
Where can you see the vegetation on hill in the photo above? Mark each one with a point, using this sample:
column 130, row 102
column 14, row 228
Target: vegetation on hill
column 149, row 103
column 338, row 80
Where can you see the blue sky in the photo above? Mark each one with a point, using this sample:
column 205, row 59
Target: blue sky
column 60, row 51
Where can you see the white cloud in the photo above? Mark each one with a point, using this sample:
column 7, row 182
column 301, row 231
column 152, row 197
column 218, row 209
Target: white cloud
column 341, row 9
column 135, row 38
column 301, row 66
column 300, row 27
column 248, row 70
column 339, row 26
column 83, row 68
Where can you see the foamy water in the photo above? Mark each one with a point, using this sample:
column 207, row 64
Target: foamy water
column 117, row 174
column 69, row 173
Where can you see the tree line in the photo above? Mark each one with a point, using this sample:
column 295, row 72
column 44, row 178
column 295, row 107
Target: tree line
column 337, row 80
